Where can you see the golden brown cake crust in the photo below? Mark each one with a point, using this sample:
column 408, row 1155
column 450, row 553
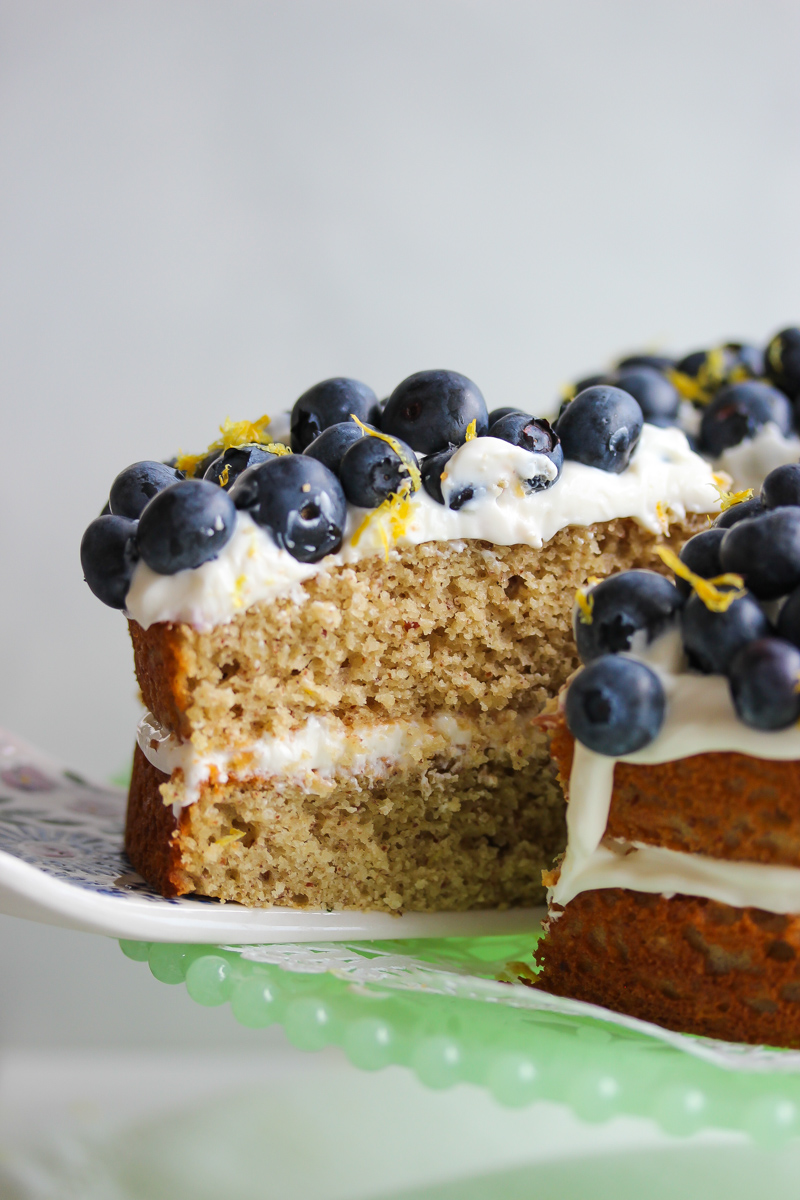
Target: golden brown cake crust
column 686, row 963
column 437, row 627
column 151, row 831
column 724, row 805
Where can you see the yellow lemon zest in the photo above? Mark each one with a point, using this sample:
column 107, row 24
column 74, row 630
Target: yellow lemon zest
column 728, row 499
column 662, row 515
column 225, row 475
column 707, row 589
column 775, row 355
column 233, row 836
column 233, row 433
column 277, row 448
column 567, row 392
column 700, row 387
column 585, row 603
column 410, row 466
column 472, row 430
column 397, row 508
column 188, row 463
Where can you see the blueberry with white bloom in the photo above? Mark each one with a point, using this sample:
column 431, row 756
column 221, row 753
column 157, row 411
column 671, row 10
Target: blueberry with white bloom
column 615, row 706
column 328, row 403
column 373, row 469
column 136, row 486
column 538, row 437
column 299, row 501
column 765, row 551
column 711, row 639
column 108, row 556
column 607, row 617
column 231, row 463
column 764, row 678
column 333, row 443
column 185, row 526
column 601, row 427
column 739, row 411
column 433, row 409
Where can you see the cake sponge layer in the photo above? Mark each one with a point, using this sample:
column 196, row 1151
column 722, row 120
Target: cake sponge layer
column 470, row 827
column 439, row 626
column 686, row 963
column 722, row 804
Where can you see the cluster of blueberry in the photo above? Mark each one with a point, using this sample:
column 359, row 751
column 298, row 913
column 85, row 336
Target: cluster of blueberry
column 346, row 446
column 736, row 600
column 736, row 388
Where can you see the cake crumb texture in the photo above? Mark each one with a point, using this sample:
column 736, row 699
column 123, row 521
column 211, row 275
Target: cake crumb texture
column 468, row 828
column 686, row 963
column 462, row 626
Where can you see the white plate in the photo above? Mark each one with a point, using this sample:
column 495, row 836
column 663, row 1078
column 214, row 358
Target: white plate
column 62, row 863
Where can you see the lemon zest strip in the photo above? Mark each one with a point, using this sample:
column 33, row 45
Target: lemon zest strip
column 233, row 836
column 472, row 430
column 233, row 433
column 707, row 589
column 411, row 467
column 585, row 603
column 728, row 499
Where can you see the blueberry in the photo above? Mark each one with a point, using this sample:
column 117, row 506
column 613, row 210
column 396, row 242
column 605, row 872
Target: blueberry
column 739, row 512
column 765, row 551
column 136, row 485
column 657, row 362
column 764, row 679
column 615, row 706
column 788, row 625
column 372, row 470
column 533, row 434
column 329, row 403
column 701, row 555
column 376, row 413
column 226, row 469
column 657, row 397
column 299, row 501
column 711, row 639
column 185, row 525
column 497, row 413
column 620, row 607
column 431, row 471
column 330, row 447
column 782, row 361
column 739, row 411
column 781, row 487
column 432, row 409
column 744, row 361
column 601, row 428
column 108, row 557
column 574, row 389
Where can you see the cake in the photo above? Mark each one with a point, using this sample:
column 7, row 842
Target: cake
column 734, row 400
column 344, row 645
column 678, row 897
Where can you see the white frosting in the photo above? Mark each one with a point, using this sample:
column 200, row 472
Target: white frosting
column 664, row 479
column 700, row 719
column 753, row 459
column 322, row 745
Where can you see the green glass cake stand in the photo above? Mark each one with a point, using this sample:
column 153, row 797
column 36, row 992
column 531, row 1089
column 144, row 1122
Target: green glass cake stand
column 453, row 1010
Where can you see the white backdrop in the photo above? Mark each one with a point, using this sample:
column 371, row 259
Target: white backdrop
column 206, row 207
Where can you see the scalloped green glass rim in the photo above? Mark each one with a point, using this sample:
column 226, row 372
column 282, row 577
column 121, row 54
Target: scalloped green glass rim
column 520, row 1056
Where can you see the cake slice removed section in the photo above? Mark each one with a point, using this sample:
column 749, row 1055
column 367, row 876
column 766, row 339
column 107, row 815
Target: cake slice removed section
column 427, row 814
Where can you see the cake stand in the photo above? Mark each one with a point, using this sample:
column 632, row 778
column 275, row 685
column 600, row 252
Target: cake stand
column 447, row 996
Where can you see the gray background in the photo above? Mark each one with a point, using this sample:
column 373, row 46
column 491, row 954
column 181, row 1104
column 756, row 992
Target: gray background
column 206, row 207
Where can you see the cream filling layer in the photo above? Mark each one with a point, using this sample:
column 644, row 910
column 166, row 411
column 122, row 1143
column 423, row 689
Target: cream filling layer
column 323, row 745
column 664, row 480
column 700, row 719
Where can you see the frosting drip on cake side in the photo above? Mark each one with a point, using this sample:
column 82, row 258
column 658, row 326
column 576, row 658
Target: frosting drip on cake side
column 324, row 745
column 665, row 479
column 700, row 719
